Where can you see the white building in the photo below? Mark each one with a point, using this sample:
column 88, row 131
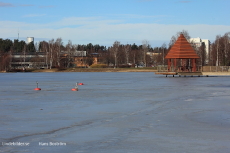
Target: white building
column 198, row 42
column 30, row 39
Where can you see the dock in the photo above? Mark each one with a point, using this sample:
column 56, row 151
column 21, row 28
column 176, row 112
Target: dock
column 185, row 74
column 192, row 74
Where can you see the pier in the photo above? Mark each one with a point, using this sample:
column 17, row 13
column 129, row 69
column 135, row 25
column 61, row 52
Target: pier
column 185, row 74
column 192, row 74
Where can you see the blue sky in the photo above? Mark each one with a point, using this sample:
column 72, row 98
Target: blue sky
column 105, row 21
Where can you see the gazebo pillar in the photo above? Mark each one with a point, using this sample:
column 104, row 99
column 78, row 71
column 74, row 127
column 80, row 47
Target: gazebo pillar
column 169, row 65
column 175, row 62
column 193, row 65
column 184, row 64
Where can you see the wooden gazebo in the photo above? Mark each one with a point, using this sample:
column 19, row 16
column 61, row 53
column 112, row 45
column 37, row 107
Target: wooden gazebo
column 182, row 57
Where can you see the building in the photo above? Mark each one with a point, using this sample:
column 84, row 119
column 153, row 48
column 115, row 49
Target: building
column 28, row 60
column 198, row 42
column 152, row 54
column 80, row 58
column 42, row 59
column 30, row 39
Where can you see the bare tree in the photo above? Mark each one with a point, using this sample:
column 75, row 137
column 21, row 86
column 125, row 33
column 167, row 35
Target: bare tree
column 220, row 50
column 217, row 49
column 227, row 48
column 5, row 59
column 69, row 48
column 172, row 41
column 114, row 49
column 51, row 51
column 174, row 38
column 202, row 54
column 163, row 52
column 36, row 46
column 127, row 49
column 44, row 47
column 185, row 33
column 134, row 54
column 145, row 45
column 58, row 44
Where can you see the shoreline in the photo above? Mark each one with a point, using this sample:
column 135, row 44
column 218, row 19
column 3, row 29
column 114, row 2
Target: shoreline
column 90, row 70
column 97, row 70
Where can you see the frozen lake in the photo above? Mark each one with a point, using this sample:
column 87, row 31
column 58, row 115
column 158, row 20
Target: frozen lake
column 114, row 113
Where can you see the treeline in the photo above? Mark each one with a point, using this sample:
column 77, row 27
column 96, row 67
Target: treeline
column 117, row 55
column 16, row 46
column 220, row 51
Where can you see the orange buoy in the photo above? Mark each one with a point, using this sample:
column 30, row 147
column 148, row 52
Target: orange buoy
column 37, row 87
column 80, row 84
column 75, row 88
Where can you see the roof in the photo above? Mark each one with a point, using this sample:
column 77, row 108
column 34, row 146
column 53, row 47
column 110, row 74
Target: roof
column 181, row 49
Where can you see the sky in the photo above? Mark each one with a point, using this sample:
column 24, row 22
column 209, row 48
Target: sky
column 105, row 21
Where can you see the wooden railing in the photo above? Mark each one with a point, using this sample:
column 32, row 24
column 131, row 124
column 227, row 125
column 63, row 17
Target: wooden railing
column 164, row 68
column 215, row 69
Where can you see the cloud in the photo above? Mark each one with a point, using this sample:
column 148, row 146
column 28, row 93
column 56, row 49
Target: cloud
column 101, row 31
column 33, row 15
column 26, row 5
column 2, row 4
column 47, row 6
column 145, row 0
column 184, row 1
column 136, row 16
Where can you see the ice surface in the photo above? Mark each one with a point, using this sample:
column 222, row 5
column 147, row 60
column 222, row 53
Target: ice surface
column 114, row 113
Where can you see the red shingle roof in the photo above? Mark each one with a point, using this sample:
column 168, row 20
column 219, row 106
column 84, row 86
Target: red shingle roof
column 181, row 49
